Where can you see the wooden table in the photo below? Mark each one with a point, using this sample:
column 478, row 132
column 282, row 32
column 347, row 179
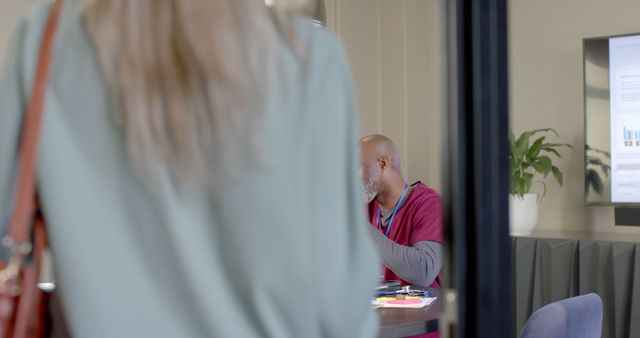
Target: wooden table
column 410, row 322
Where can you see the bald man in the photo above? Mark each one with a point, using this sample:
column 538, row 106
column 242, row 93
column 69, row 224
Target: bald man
column 406, row 219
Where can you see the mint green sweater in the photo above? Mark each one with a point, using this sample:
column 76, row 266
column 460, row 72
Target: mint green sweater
column 257, row 257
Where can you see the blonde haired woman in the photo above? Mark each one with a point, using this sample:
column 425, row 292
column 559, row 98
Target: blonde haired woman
column 197, row 169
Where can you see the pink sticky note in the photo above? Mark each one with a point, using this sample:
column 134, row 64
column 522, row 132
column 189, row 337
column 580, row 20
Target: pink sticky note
column 405, row 301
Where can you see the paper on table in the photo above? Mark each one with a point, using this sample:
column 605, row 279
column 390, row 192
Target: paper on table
column 403, row 304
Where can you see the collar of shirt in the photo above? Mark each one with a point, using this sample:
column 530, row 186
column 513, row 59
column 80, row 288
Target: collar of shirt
column 386, row 215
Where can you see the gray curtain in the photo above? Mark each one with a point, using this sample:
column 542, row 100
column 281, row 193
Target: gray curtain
column 548, row 270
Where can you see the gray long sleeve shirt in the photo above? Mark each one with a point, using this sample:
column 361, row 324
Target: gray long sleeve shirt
column 418, row 264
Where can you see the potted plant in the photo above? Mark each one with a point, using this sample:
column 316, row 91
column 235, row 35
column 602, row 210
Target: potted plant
column 530, row 162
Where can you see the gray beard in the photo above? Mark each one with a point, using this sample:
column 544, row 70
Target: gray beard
column 367, row 196
column 367, row 189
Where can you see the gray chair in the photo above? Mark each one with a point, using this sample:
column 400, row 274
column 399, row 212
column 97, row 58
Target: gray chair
column 579, row 317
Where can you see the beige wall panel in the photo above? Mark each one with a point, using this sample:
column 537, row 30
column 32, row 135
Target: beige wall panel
column 396, row 55
column 393, row 91
column 358, row 26
column 424, row 92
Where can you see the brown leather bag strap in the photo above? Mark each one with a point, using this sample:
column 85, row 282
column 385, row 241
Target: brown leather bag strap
column 21, row 222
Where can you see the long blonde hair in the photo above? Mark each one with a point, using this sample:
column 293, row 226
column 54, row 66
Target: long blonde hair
column 188, row 75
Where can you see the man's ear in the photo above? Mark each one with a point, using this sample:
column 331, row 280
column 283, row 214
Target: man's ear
column 384, row 163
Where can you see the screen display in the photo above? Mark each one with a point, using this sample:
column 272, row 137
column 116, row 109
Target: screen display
column 624, row 83
column 612, row 120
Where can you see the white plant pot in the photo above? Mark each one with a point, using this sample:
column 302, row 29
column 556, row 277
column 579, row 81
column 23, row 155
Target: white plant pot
column 523, row 213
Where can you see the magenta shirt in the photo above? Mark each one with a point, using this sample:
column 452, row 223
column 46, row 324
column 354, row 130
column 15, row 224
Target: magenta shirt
column 419, row 219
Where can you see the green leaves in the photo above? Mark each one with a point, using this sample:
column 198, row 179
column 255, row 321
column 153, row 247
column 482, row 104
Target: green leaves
column 557, row 174
column 534, row 151
column 542, row 164
column 528, row 159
